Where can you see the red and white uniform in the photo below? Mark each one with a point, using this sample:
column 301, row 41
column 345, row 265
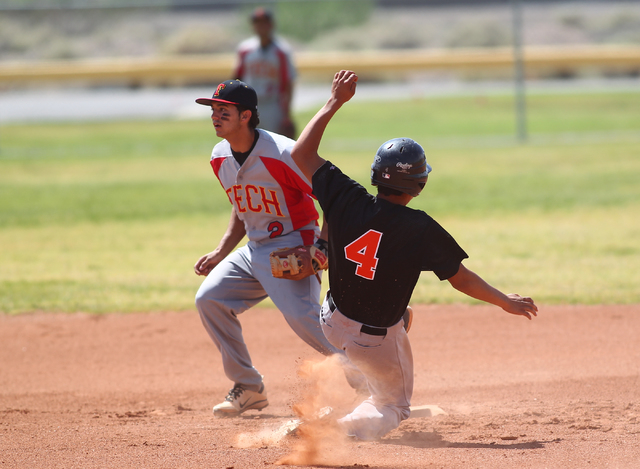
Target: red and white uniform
column 273, row 199
column 269, row 71
column 270, row 194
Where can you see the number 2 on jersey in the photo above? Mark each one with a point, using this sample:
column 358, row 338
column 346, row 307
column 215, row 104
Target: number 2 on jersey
column 363, row 252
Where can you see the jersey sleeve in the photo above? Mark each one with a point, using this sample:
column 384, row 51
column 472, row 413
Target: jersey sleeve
column 333, row 188
column 275, row 151
column 297, row 179
column 286, row 56
column 239, row 69
column 440, row 252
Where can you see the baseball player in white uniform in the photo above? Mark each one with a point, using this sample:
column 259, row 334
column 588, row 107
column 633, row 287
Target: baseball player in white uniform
column 264, row 62
column 272, row 205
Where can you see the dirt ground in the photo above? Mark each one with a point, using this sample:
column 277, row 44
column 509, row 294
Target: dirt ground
column 561, row 391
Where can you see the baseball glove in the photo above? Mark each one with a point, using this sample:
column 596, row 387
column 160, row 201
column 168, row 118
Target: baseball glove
column 298, row 262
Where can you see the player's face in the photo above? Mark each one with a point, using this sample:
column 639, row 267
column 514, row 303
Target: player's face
column 263, row 27
column 225, row 118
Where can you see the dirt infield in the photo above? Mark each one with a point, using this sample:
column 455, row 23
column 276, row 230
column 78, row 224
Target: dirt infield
column 121, row 391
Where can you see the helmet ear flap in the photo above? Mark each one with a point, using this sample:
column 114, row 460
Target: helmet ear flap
column 400, row 164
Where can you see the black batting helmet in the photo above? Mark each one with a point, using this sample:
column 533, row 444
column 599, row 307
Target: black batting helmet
column 400, row 164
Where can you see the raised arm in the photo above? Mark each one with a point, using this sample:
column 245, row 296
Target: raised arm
column 305, row 151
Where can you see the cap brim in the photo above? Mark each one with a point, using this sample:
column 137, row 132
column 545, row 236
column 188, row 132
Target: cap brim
column 209, row 101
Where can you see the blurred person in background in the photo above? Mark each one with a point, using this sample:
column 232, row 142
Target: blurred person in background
column 264, row 62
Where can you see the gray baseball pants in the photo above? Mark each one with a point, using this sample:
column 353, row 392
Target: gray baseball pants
column 242, row 280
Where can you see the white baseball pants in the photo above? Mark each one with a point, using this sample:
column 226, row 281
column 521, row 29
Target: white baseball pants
column 387, row 364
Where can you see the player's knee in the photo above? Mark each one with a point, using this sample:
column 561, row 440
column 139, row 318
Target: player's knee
column 202, row 298
column 210, row 305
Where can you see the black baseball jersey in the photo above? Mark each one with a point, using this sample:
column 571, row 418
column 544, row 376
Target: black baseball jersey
column 377, row 249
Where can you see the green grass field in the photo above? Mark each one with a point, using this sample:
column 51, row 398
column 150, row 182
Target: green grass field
column 103, row 217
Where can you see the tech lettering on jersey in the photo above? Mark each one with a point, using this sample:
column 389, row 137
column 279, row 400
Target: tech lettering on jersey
column 268, row 192
column 254, row 198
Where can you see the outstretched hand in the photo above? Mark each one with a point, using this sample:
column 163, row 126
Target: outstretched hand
column 344, row 86
column 521, row 306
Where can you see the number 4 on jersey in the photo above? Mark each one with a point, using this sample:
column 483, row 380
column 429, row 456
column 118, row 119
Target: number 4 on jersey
column 363, row 252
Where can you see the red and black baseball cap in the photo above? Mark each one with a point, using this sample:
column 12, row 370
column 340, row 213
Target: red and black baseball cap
column 233, row 92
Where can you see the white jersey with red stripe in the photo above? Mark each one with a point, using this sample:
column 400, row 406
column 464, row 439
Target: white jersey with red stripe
column 268, row 70
column 273, row 199
column 270, row 194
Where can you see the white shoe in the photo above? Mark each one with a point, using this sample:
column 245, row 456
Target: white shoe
column 240, row 400
column 408, row 319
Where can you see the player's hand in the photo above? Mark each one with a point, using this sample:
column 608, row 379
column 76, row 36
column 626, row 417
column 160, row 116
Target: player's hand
column 521, row 306
column 344, row 86
column 206, row 263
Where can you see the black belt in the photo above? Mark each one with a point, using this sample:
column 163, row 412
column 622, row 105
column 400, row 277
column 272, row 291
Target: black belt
column 371, row 330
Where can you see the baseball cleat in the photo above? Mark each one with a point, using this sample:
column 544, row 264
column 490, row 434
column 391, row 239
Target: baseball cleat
column 408, row 319
column 240, row 400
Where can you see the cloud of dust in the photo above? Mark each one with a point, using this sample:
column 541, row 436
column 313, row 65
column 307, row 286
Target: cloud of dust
column 265, row 437
column 321, row 440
